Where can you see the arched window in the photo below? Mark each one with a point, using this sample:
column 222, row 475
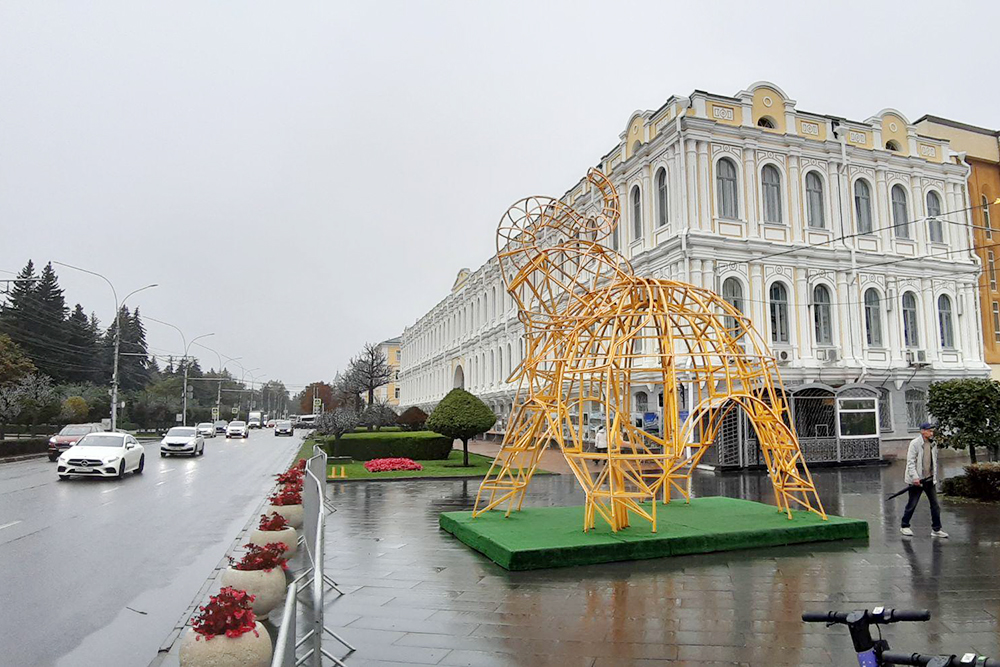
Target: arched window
column 863, row 205
column 779, row 312
column 945, row 323
column 934, row 228
column 732, row 293
column 986, row 216
column 636, row 213
column 662, row 212
column 814, row 200
column 873, row 317
column 916, row 408
column 892, row 146
column 770, row 179
column 765, row 121
column 726, row 192
column 899, row 215
column 641, row 402
column 822, row 315
column 911, row 334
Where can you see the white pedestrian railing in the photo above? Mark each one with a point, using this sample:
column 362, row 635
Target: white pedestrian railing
column 284, row 645
column 312, row 579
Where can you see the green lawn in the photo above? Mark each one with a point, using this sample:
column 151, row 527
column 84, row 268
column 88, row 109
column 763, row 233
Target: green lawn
column 450, row 467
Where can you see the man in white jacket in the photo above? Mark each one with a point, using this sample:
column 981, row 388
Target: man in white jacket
column 921, row 475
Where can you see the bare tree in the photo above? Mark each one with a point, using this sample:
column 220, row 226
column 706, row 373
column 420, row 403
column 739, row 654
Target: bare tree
column 369, row 371
column 379, row 414
column 337, row 423
column 11, row 402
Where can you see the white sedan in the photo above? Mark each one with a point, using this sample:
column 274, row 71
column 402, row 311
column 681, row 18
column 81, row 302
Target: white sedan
column 182, row 440
column 206, row 429
column 237, row 430
column 102, row 455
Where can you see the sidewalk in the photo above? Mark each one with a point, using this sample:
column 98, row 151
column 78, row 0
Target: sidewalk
column 552, row 459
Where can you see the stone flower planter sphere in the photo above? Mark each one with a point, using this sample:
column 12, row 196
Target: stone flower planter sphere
column 287, row 535
column 292, row 513
column 247, row 650
column 267, row 587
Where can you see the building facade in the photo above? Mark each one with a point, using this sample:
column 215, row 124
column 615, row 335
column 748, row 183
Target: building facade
column 982, row 152
column 848, row 243
column 391, row 392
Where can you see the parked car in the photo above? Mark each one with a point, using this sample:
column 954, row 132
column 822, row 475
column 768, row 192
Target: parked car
column 102, row 454
column 237, row 430
column 69, row 436
column 306, row 421
column 283, row 427
column 182, row 440
column 220, row 426
column 206, row 429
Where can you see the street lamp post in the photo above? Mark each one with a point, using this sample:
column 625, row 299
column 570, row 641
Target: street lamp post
column 218, row 397
column 187, row 347
column 118, row 335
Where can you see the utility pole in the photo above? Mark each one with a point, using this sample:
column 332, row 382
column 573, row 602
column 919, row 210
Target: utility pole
column 118, row 335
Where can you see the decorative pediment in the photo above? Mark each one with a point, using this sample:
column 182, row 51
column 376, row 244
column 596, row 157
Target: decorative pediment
column 727, row 148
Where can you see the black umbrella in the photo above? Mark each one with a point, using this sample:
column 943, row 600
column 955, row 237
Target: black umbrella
column 925, row 480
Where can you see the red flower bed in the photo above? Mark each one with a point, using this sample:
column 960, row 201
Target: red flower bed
column 386, row 465
column 293, row 486
column 265, row 557
column 292, row 476
column 301, row 465
column 272, row 521
column 286, row 497
column 229, row 613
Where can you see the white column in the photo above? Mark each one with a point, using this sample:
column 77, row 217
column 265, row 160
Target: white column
column 691, row 184
column 750, row 188
column 802, row 329
column 796, row 223
column 705, row 222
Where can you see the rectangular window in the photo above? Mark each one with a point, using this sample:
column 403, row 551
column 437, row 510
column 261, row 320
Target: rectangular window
column 991, row 269
column 996, row 321
column 397, row 393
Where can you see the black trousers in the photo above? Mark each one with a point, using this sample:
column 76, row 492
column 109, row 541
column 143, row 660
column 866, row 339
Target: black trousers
column 914, row 498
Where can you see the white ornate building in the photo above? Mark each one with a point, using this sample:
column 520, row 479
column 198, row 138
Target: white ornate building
column 847, row 242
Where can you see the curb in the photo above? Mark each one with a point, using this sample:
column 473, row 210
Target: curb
column 22, row 457
column 401, row 479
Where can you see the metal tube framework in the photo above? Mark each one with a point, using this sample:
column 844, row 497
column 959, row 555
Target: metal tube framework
column 594, row 331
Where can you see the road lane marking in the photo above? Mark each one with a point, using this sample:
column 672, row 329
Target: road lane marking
column 163, row 482
column 166, row 470
column 8, row 525
column 110, row 490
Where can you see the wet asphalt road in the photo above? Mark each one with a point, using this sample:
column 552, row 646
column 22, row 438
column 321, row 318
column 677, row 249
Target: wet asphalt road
column 97, row 572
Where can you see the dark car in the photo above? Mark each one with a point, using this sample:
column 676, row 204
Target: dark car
column 283, row 427
column 69, row 436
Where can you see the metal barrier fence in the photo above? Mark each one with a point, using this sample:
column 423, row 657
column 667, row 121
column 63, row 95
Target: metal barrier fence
column 313, row 579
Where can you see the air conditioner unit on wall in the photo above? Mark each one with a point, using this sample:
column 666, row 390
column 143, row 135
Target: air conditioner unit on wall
column 829, row 355
column 916, row 358
column 783, row 356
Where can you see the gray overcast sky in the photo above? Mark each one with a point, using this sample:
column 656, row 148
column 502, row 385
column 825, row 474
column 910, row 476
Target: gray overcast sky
column 303, row 177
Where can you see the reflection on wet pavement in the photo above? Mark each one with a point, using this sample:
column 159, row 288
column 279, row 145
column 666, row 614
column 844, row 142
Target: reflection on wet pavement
column 418, row 596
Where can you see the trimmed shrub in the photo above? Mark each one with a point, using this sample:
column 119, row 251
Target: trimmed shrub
column 980, row 481
column 460, row 416
column 25, row 446
column 984, row 480
column 417, row 445
column 956, row 486
column 412, row 419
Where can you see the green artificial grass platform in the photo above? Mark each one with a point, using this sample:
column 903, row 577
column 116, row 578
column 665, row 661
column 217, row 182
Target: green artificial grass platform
column 543, row 537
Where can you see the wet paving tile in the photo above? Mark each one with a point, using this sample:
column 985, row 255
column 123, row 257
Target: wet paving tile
column 418, row 596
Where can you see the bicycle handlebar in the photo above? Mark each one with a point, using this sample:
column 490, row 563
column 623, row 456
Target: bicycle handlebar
column 969, row 659
column 878, row 616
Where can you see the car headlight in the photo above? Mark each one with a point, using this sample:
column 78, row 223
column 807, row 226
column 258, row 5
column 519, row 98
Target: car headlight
column 111, row 460
column 52, row 441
